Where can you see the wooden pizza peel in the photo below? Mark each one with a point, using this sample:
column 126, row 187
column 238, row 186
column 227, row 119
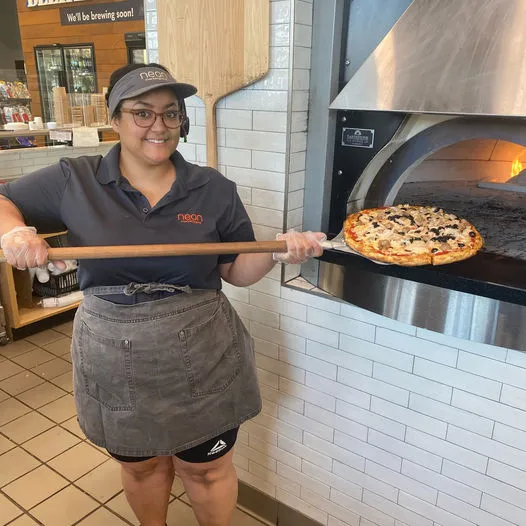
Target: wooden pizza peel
column 219, row 46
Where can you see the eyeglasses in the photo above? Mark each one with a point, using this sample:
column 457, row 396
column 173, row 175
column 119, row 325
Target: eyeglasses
column 147, row 118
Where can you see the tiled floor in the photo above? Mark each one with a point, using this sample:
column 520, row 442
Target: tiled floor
column 49, row 473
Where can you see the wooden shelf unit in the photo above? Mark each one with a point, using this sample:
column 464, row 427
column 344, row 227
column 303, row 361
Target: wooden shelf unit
column 20, row 305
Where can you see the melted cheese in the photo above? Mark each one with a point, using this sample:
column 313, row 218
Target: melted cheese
column 403, row 229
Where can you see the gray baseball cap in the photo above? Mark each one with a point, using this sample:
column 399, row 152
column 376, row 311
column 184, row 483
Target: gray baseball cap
column 142, row 80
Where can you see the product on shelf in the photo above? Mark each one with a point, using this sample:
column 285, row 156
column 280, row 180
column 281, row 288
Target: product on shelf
column 25, row 113
column 14, row 103
column 77, row 115
column 61, row 106
column 13, row 90
column 16, row 113
column 101, row 112
column 88, row 109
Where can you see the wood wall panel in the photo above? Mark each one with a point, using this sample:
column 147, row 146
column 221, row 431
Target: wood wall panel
column 41, row 26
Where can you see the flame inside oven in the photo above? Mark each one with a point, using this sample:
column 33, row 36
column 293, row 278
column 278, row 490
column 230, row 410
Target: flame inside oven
column 516, row 168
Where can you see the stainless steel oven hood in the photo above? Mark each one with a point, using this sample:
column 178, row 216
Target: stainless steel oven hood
column 464, row 57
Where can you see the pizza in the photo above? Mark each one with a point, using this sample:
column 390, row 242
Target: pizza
column 411, row 235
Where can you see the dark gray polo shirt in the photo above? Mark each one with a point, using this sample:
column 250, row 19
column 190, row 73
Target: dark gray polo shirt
column 89, row 197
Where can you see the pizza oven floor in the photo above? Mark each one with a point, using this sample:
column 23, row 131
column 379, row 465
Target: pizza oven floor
column 499, row 216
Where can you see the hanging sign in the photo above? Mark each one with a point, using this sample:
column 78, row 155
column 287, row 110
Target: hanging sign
column 42, row 3
column 100, row 13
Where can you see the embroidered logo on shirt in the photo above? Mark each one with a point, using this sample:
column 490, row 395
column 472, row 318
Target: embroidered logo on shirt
column 196, row 219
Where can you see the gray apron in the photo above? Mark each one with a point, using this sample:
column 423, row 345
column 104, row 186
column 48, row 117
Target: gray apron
column 159, row 377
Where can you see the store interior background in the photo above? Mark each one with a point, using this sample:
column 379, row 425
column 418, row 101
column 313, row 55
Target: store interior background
column 10, row 42
column 42, row 52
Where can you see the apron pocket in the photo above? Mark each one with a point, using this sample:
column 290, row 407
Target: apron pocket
column 106, row 368
column 211, row 353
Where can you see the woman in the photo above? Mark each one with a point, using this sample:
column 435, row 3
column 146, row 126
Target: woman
column 164, row 369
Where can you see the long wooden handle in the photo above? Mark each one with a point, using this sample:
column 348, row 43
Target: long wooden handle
column 180, row 249
column 211, row 133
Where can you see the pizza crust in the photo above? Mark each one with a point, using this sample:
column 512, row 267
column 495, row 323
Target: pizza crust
column 461, row 254
column 415, row 260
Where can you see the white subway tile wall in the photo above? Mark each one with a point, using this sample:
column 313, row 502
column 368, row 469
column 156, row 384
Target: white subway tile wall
column 17, row 163
column 366, row 421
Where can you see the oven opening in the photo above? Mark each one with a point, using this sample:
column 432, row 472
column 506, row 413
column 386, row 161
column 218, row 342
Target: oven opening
column 481, row 180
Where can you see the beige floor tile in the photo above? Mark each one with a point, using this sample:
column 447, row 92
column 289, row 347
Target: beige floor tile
column 61, row 409
column 9, row 368
column 41, row 395
column 16, row 348
column 104, row 482
column 59, row 347
column 177, row 487
column 33, row 488
column 65, row 328
column 3, row 395
column 181, row 514
column 33, row 358
column 25, row 520
column 102, row 517
column 120, row 506
column 64, row 381
column 44, row 337
column 26, row 427
column 14, row 464
column 65, row 508
column 8, row 511
column 73, row 425
column 11, row 409
column 51, row 443
column 20, row 382
column 66, row 357
column 98, row 448
column 77, row 461
column 185, row 498
column 52, row 369
column 5, row 445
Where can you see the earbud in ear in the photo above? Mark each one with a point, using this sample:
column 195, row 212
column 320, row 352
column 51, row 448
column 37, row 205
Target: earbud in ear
column 185, row 128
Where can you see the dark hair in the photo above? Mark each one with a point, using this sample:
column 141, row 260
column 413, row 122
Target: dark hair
column 124, row 70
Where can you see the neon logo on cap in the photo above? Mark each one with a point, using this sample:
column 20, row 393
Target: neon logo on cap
column 154, row 75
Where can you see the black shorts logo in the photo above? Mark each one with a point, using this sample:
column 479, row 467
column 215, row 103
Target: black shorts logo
column 220, row 445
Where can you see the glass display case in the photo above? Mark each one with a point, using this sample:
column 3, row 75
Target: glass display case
column 69, row 66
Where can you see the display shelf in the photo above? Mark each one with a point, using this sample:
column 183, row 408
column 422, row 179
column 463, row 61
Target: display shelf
column 13, row 100
column 34, row 314
column 20, row 306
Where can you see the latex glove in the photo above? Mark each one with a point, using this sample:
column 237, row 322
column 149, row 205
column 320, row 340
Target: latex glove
column 301, row 246
column 41, row 274
column 69, row 264
column 23, row 248
column 53, row 267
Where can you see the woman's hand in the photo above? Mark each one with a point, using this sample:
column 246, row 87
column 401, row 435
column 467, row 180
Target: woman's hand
column 301, row 246
column 23, row 248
